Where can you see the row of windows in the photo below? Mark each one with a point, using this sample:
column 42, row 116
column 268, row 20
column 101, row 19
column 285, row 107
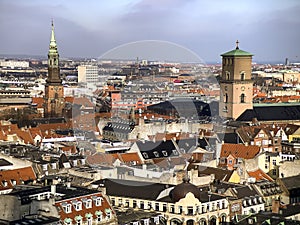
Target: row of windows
column 156, row 154
column 67, row 207
column 242, row 98
column 213, row 206
column 242, row 75
column 89, row 218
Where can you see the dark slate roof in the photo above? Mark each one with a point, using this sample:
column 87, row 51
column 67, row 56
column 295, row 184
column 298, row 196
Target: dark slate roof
column 220, row 174
column 135, row 215
column 265, row 218
column 291, row 182
column 291, row 210
column 119, row 127
column 186, row 108
column 186, row 144
column 267, row 113
column 150, row 147
column 62, row 189
column 245, row 191
column 35, row 219
column 132, row 189
column 232, row 138
column 4, row 162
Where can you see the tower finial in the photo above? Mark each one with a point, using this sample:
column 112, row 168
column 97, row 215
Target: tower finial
column 52, row 40
column 237, row 44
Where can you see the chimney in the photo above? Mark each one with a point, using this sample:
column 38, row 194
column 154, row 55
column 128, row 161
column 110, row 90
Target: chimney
column 275, row 206
column 53, row 189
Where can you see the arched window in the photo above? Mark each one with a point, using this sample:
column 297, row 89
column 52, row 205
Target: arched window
column 227, row 75
column 226, row 98
column 242, row 98
column 242, row 75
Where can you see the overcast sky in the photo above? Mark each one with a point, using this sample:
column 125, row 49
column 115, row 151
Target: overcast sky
column 267, row 28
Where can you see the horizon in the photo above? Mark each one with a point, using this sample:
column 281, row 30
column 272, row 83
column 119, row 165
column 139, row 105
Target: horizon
column 208, row 28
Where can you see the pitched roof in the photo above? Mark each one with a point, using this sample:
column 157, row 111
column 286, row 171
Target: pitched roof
column 8, row 177
column 237, row 52
column 239, row 151
column 133, row 189
column 291, row 182
column 128, row 157
column 100, row 158
column 220, row 174
column 267, row 113
column 259, row 175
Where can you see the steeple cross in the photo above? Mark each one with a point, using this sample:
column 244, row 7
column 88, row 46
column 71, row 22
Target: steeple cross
column 237, row 44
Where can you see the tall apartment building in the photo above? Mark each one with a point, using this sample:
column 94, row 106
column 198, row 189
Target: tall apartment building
column 88, row 74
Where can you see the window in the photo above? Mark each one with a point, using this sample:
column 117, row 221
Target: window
column 89, row 220
column 165, row 153
column 175, row 152
column 156, row 206
column 227, row 74
column 226, row 98
column 274, row 172
column 87, row 203
column 230, row 161
column 274, row 162
column 242, row 76
column 145, row 155
column 98, row 200
column 77, row 205
column 242, row 98
column 99, row 216
column 108, row 214
column 156, row 154
column 67, row 207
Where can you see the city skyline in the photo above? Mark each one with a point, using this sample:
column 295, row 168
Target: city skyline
column 208, row 29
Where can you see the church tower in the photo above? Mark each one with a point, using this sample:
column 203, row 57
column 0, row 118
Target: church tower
column 236, row 86
column 54, row 92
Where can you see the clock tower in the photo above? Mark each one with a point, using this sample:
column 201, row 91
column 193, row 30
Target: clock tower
column 236, row 86
column 54, row 92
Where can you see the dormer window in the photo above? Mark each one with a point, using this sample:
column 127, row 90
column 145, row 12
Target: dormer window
column 156, row 154
column 13, row 182
column 98, row 200
column 5, row 183
column 145, row 155
column 77, row 205
column 87, row 203
column 165, row 153
column 175, row 152
column 66, row 207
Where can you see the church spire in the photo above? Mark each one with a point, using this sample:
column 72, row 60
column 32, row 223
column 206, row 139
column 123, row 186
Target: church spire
column 53, row 45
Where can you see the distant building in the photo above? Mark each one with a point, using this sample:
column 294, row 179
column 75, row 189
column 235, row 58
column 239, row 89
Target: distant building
column 70, row 204
column 236, row 85
column 88, row 74
column 54, row 91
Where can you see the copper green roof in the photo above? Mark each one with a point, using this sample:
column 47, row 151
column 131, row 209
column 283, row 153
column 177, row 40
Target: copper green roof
column 237, row 52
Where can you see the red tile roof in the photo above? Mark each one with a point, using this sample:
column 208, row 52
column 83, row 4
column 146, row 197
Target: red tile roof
column 84, row 211
column 39, row 101
column 259, row 175
column 18, row 176
column 128, row 157
column 239, row 151
column 100, row 158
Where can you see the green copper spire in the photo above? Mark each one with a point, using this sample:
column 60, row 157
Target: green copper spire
column 53, row 45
